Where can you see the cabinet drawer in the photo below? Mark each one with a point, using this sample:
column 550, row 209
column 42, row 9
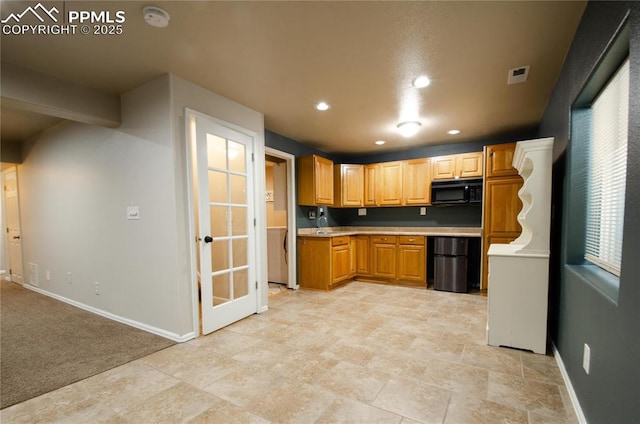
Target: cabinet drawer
column 339, row 241
column 411, row 239
column 383, row 239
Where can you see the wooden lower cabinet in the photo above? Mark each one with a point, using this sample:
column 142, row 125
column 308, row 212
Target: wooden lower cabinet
column 340, row 258
column 412, row 256
column 383, row 256
column 323, row 262
column 363, row 253
column 327, row 262
column 352, row 257
column 314, row 263
column 398, row 260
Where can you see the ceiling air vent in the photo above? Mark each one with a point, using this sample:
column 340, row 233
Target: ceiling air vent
column 517, row 75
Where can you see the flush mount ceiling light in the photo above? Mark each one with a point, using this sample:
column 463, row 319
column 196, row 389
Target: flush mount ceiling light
column 379, row 142
column 421, row 82
column 155, row 16
column 409, row 128
column 453, row 132
column 322, row 106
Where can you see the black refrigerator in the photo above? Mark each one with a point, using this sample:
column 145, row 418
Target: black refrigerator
column 450, row 264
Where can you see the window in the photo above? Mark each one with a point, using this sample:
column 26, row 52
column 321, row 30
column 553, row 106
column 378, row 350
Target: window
column 607, row 169
column 595, row 179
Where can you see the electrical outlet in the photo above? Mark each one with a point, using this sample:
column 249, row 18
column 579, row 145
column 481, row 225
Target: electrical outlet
column 362, row 212
column 586, row 358
column 97, row 288
column 69, row 277
column 312, row 214
column 423, row 211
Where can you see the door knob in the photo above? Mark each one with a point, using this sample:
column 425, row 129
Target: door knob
column 208, row 239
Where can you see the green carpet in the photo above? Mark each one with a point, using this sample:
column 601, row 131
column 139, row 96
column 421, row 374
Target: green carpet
column 46, row 344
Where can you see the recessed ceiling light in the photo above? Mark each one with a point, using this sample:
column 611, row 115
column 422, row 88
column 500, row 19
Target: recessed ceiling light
column 322, row 106
column 421, row 82
column 155, row 16
column 409, row 128
column 453, row 132
column 380, row 142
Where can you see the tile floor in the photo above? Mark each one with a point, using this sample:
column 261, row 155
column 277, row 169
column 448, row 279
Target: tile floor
column 364, row 353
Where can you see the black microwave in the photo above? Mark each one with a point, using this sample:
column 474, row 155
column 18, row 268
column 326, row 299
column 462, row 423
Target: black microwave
column 456, row 192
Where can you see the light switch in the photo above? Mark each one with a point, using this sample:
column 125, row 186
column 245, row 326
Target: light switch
column 133, row 212
column 423, row 211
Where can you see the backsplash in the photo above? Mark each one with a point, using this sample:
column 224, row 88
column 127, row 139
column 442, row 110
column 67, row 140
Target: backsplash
column 450, row 216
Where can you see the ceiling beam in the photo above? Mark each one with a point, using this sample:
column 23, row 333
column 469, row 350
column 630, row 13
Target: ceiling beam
column 33, row 91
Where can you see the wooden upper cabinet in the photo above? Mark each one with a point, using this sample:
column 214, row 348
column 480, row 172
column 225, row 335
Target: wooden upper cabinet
column 416, row 184
column 315, row 181
column 348, row 182
column 499, row 160
column 469, row 165
column 464, row 165
column 444, row 167
column 389, row 184
column 370, row 181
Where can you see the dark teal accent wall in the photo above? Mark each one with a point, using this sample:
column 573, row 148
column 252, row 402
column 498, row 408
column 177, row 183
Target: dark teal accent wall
column 438, row 150
column 453, row 216
column 449, row 216
column 287, row 145
column 579, row 313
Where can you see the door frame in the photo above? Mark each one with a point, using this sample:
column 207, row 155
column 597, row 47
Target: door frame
column 260, row 230
column 292, row 254
column 6, row 256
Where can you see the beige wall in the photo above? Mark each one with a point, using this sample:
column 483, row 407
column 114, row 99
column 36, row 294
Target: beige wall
column 76, row 182
column 275, row 218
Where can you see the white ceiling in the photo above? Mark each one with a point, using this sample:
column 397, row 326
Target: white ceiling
column 280, row 58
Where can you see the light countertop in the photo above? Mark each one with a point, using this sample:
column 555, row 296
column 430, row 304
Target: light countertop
column 398, row 231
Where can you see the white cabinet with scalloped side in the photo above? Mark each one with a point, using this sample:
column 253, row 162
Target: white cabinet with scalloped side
column 519, row 271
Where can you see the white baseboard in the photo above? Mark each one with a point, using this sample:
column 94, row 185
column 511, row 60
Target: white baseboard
column 567, row 382
column 139, row 325
column 265, row 308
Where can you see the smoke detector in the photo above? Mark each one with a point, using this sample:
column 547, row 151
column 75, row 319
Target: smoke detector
column 517, row 75
column 155, row 16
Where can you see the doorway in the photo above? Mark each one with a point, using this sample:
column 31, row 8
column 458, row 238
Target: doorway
column 281, row 220
column 12, row 240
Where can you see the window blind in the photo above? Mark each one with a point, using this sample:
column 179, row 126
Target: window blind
column 607, row 173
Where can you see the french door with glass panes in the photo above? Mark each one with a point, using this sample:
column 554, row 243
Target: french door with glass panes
column 225, row 225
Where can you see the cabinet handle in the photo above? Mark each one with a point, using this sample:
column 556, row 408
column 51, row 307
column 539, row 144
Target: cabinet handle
column 304, row 241
column 412, row 239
